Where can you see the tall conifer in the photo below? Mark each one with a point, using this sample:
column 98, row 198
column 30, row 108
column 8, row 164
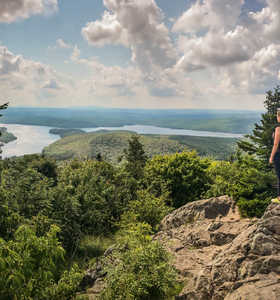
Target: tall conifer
column 260, row 142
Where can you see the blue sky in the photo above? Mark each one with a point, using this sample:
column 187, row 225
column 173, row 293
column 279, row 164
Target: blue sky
column 139, row 53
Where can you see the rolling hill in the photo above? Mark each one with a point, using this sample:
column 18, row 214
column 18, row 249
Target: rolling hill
column 110, row 144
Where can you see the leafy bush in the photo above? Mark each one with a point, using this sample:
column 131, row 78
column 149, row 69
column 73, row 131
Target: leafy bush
column 183, row 174
column 147, row 209
column 142, row 269
column 31, row 267
column 253, row 207
column 245, row 181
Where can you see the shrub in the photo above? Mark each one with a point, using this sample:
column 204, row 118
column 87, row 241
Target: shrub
column 142, row 269
column 253, row 207
column 182, row 174
column 147, row 209
column 31, row 267
column 245, row 181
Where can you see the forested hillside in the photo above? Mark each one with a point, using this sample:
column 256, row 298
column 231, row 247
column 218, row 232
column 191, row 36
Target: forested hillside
column 111, row 145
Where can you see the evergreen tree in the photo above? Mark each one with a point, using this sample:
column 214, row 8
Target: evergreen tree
column 260, row 143
column 136, row 157
column 3, row 106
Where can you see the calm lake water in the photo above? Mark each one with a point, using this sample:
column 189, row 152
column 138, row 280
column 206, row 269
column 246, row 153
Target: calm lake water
column 32, row 139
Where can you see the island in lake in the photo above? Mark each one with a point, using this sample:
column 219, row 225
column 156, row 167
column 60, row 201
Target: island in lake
column 5, row 136
column 63, row 132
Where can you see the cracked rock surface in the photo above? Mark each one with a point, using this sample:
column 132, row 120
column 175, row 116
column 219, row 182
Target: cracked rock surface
column 220, row 255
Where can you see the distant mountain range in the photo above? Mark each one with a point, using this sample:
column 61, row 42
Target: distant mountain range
column 232, row 121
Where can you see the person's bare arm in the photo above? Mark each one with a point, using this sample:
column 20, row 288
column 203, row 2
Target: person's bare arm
column 276, row 142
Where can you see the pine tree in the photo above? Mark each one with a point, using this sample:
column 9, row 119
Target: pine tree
column 260, row 143
column 135, row 157
column 3, row 106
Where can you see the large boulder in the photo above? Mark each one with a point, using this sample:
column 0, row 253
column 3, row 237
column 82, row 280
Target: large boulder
column 220, row 255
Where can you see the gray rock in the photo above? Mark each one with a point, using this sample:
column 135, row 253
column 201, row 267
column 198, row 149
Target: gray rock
column 235, row 258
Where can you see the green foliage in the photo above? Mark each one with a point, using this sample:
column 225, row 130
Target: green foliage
column 112, row 144
column 260, row 142
column 31, row 267
column 183, row 174
column 147, row 209
column 5, row 136
column 92, row 246
column 253, row 207
column 89, row 198
column 62, row 132
column 142, row 269
column 24, row 193
column 217, row 147
column 245, row 181
column 109, row 144
column 135, row 157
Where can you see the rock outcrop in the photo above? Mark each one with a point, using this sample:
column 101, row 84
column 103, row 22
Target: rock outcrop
column 220, row 255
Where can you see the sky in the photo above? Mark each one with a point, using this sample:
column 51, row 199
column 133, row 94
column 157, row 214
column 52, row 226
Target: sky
column 208, row 54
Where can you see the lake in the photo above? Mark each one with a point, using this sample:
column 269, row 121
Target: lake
column 32, row 139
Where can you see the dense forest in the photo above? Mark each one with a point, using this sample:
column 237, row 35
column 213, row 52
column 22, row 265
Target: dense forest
column 76, row 144
column 58, row 219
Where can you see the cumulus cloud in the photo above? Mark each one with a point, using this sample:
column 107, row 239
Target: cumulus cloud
column 26, row 81
column 108, row 80
column 216, row 49
column 137, row 25
column 240, row 50
column 12, row 10
column 256, row 75
column 210, row 14
column 268, row 20
column 106, row 31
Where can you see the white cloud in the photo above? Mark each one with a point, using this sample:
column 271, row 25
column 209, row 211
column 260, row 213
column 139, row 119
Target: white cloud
column 216, row 49
column 29, row 82
column 62, row 44
column 108, row 81
column 210, row 14
column 219, row 53
column 106, row 31
column 241, row 52
column 256, row 75
column 76, row 53
column 12, row 10
column 269, row 20
column 137, row 25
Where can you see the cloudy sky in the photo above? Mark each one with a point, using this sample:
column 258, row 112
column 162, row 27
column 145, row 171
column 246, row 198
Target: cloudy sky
column 220, row 54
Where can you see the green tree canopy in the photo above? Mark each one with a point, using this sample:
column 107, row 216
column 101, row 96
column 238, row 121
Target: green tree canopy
column 3, row 106
column 260, row 142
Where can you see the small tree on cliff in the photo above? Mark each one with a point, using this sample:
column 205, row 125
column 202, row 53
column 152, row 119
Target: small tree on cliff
column 136, row 157
column 3, row 106
column 261, row 141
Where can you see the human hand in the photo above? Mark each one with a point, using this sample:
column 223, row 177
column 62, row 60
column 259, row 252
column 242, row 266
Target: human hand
column 271, row 160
